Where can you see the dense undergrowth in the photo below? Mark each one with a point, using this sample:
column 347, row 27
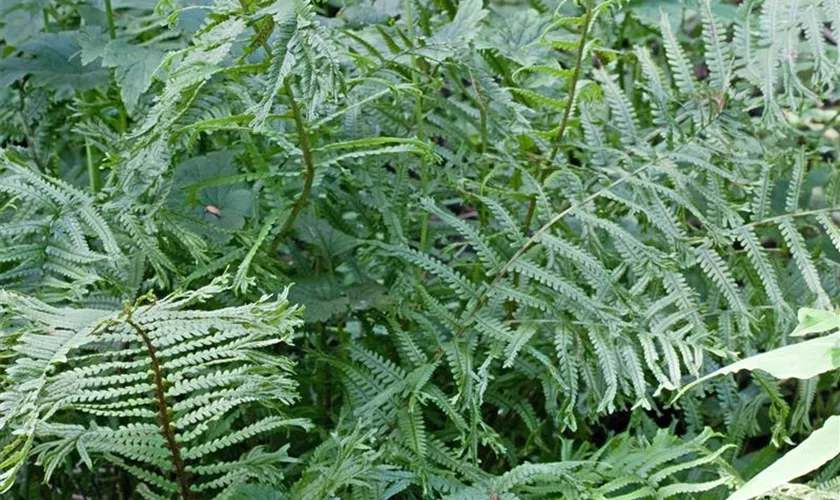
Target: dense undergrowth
column 417, row 248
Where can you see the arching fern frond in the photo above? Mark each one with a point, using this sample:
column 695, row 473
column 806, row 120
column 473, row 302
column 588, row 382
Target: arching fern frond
column 157, row 381
column 55, row 236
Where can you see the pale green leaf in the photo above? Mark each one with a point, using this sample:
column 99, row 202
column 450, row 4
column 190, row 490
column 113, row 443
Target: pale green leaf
column 815, row 321
column 803, row 361
column 820, row 447
column 135, row 66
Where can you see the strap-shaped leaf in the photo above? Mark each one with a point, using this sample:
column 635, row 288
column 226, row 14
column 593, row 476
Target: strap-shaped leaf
column 818, row 448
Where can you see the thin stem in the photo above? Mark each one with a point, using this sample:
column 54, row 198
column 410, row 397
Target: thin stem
column 262, row 33
column 27, row 478
column 482, row 111
column 532, row 205
column 122, row 115
column 421, row 131
column 167, row 429
column 483, row 117
column 308, row 163
column 46, row 21
column 424, row 176
column 409, row 19
column 573, row 84
column 93, row 171
column 109, row 13
column 804, row 213
column 526, row 227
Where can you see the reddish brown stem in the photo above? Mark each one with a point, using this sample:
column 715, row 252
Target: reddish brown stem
column 163, row 413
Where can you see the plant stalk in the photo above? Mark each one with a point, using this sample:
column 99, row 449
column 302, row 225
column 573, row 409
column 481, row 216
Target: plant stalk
column 482, row 112
column 93, row 171
column 308, row 163
column 526, row 227
column 421, row 132
column 262, row 33
column 590, row 11
column 163, row 413
column 122, row 118
column 109, row 13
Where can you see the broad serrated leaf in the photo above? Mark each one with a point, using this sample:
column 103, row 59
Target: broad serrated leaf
column 52, row 59
column 134, row 68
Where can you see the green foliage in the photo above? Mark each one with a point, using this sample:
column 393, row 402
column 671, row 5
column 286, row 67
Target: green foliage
column 805, row 360
column 50, row 226
column 205, row 368
column 517, row 229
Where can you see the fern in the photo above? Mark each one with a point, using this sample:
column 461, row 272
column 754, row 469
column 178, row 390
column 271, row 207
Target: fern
column 516, row 228
column 677, row 60
column 167, row 377
column 48, row 237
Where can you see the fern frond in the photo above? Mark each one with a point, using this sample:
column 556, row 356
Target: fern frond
column 462, row 287
column 795, row 186
column 802, row 257
column 487, row 255
column 624, row 113
column 677, row 60
column 831, row 229
column 107, row 378
column 413, row 431
column 657, row 91
column 762, row 265
column 717, row 270
column 718, row 54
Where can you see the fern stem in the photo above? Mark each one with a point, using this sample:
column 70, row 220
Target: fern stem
column 27, row 478
column 122, row 116
column 573, row 84
column 526, row 226
column 782, row 217
column 424, row 173
column 482, row 113
column 109, row 13
column 421, row 131
column 93, row 171
column 308, row 163
column 261, row 37
column 409, row 19
column 532, row 206
column 163, row 412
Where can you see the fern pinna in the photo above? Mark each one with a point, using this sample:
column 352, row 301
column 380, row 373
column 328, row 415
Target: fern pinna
column 166, row 389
